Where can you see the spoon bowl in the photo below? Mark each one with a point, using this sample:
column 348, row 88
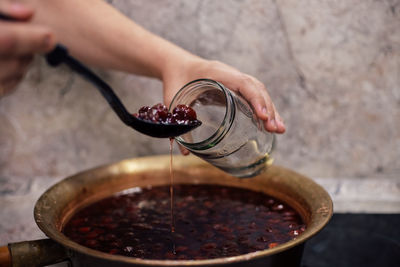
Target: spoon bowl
column 161, row 130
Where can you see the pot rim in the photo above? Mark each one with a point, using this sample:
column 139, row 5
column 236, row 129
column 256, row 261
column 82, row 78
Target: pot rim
column 319, row 217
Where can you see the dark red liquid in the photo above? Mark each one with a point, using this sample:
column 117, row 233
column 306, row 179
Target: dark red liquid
column 171, row 194
column 181, row 114
column 210, row 222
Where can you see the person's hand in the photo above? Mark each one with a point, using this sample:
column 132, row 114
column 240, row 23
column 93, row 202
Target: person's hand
column 177, row 75
column 19, row 41
column 190, row 68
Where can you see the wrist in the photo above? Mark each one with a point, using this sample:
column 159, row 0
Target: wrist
column 189, row 67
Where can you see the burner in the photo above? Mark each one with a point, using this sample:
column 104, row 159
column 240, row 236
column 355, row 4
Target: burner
column 356, row 240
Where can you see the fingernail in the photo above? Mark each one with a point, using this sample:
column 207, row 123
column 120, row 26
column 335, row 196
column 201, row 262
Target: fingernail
column 280, row 122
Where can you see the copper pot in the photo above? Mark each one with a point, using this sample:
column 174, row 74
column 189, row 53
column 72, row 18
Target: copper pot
column 61, row 201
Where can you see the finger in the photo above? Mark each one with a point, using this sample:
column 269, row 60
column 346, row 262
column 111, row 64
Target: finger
column 269, row 109
column 252, row 93
column 11, row 67
column 256, row 93
column 280, row 125
column 17, row 11
column 271, row 125
column 19, row 39
column 183, row 150
column 14, row 70
column 170, row 89
column 266, row 106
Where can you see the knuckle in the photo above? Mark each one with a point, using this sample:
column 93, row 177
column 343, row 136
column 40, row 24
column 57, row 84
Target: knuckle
column 260, row 85
column 17, row 40
column 213, row 66
column 272, row 112
column 251, row 82
column 41, row 40
column 216, row 63
column 246, row 79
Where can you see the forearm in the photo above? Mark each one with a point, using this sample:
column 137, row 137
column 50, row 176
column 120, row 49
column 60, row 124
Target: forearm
column 99, row 35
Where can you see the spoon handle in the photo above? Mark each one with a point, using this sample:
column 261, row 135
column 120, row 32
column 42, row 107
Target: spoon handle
column 60, row 55
column 7, row 18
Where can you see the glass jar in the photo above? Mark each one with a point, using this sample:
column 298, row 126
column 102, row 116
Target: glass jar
column 231, row 137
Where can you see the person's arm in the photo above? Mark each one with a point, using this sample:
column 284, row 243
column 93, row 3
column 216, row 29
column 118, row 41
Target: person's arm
column 98, row 34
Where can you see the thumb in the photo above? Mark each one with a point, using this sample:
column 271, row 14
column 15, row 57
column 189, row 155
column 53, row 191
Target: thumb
column 169, row 90
column 183, row 150
column 18, row 11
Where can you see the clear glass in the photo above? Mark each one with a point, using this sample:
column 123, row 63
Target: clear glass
column 231, row 137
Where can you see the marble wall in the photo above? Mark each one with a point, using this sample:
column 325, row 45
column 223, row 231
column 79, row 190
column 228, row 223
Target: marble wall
column 332, row 68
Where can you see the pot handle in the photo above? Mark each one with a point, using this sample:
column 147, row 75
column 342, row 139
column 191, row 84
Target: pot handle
column 5, row 257
column 32, row 253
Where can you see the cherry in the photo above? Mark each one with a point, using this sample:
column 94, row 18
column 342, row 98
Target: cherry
column 184, row 112
column 181, row 114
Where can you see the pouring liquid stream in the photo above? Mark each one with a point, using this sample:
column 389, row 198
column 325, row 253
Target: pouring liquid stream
column 180, row 115
column 171, row 193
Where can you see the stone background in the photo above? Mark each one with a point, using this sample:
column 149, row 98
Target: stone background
column 331, row 67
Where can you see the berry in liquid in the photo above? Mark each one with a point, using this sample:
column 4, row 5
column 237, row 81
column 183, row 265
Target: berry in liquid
column 211, row 221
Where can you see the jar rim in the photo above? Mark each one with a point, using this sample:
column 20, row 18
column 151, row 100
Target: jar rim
column 218, row 135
